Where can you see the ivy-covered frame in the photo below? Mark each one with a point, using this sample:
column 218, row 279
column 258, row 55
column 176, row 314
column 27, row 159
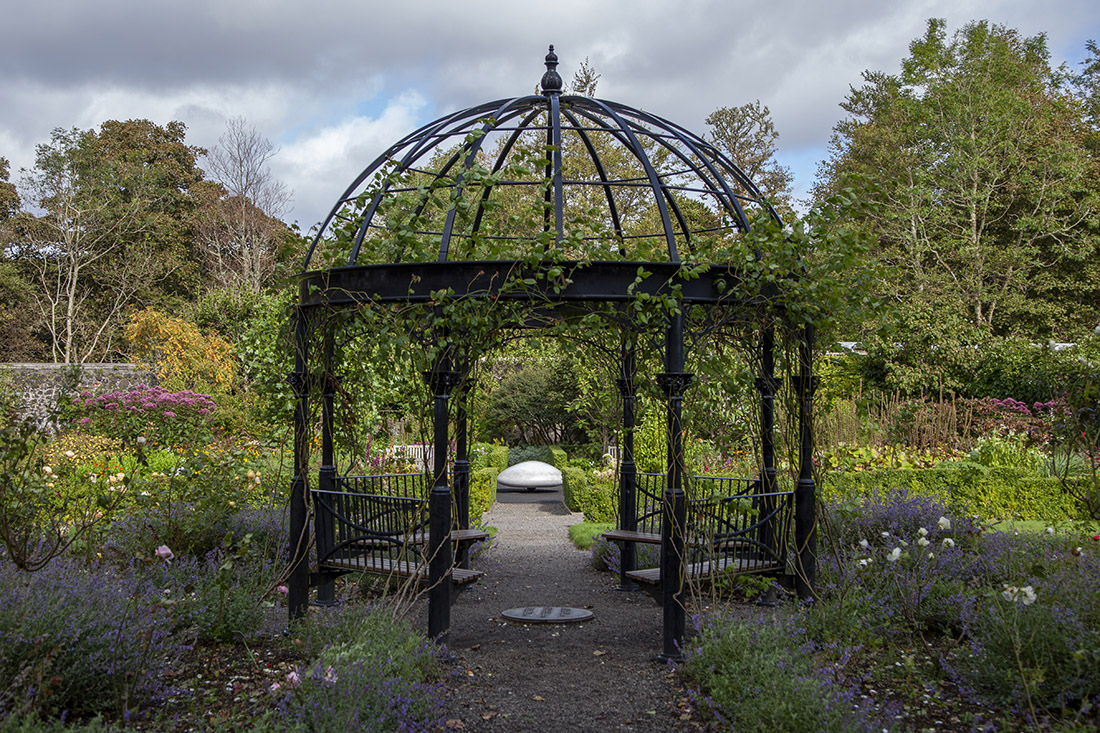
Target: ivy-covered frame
column 548, row 211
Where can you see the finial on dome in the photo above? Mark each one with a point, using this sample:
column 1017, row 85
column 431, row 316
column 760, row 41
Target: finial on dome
column 551, row 80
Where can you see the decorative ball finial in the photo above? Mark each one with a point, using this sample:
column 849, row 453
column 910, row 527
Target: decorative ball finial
column 551, row 80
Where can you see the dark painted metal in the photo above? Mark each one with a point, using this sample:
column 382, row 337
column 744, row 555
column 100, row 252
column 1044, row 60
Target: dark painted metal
column 609, row 287
column 805, row 497
column 628, row 471
column 440, row 549
column 767, row 384
column 462, row 470
column 593, row 282
column 326, row 479
column 674, row 511
column 298, row 578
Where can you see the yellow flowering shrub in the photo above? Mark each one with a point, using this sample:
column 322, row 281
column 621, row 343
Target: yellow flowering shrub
column 183, row 357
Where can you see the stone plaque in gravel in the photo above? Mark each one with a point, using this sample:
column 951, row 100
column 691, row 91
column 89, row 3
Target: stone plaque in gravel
column 547, row 615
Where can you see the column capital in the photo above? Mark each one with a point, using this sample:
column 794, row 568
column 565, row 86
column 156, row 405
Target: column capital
column 806, row 383
column 674, row 383
column 626, row 387
column 442, row 382
column 768, row 385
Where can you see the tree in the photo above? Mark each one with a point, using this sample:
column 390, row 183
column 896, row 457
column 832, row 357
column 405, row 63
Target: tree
column 239, row 229
column 747, row 136
column 16, row 341
column 982, row 190
column 114, row 229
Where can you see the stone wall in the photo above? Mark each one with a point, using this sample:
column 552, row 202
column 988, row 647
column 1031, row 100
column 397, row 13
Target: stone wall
column 37, row 387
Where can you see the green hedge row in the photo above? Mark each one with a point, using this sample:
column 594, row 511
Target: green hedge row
column 588, row 493
column 487, row 455
column 483, row 491
column 558, row 458
column 968, row 488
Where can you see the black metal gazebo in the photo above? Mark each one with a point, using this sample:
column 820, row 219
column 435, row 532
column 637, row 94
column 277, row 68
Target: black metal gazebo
column 544, row 209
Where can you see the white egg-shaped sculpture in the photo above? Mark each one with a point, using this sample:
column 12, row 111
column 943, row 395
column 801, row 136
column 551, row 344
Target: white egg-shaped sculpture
column 529, row 475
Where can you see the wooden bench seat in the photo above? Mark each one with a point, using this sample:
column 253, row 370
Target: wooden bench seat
column 652, row 576
column 622, row 535
column 420, row 537
column 399, row 568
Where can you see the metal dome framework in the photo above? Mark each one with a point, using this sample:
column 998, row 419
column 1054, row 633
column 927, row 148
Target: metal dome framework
column 558, row 204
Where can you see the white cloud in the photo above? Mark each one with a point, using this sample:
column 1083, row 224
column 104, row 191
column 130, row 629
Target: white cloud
column 325, row 161
column 302, row 72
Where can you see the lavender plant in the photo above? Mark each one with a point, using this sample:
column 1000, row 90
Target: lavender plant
column 80, row 641
column 378, row 677
column 763, row 676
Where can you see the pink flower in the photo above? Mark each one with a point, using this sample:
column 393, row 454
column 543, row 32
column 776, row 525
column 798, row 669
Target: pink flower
column 282, row 589
column 164, row 553
column 85, row 420
column 274, row 688
column 169, row 413
column 293, row 679
column 330, row 676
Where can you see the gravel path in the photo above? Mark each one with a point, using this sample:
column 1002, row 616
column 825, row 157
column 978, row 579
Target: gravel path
column 598, row 675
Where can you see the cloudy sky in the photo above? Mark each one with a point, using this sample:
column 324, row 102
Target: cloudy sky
column 334, row 82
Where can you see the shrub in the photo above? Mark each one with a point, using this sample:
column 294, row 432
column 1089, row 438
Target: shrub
column 162, row 417
column 1034, row 629
column 483, row 490
column 522, row 453
column 184, row 358
column 376, row 676
column 39, row 514
column 591, row 493
column 762, row 676
column 964, row 487
column 1023, row 604
column 1008, row 450
column 558, row 457
column 80, row 640
column 487, row 455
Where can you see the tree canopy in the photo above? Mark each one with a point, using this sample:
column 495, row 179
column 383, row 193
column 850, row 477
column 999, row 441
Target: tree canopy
column 976, row 164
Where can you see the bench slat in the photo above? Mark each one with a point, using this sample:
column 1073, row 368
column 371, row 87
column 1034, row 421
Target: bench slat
column 622, row 535
column 652, row 576
column 401, row 568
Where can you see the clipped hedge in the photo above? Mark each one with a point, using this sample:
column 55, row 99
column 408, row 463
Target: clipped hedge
column 558, row 457
column 967, row 488
column 589, row 493
column 483, row 490
column 521, row 453
column 487, row 455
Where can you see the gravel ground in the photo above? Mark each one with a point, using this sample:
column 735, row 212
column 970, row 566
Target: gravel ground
column 597, row 675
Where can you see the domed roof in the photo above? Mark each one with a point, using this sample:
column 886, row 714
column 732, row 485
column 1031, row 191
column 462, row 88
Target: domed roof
column 597, row 180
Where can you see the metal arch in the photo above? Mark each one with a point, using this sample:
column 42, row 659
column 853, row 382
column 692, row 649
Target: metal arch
column 651, row 173
column 518, row 102
column 458, row 155
column 712, row 168
column 523, row 126
column 366, row 172
column 718, row 185
column 598, row 162
column 698, row 144
column 664, row 189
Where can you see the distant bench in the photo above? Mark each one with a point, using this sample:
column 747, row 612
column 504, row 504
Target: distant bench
column 378, row 524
